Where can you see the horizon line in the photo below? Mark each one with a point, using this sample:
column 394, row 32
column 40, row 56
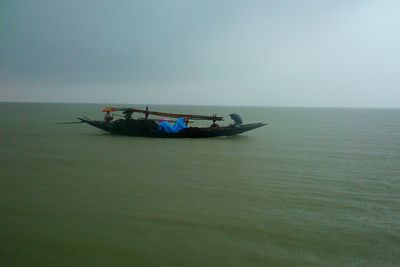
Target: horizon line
column 199, row 105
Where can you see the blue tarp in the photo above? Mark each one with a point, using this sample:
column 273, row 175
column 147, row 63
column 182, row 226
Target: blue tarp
column 176, row 128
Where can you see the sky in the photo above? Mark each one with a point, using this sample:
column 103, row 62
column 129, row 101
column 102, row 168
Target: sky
column 202, row 52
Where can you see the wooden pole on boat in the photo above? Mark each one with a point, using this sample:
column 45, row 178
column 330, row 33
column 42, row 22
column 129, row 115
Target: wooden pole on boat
column 69, row 122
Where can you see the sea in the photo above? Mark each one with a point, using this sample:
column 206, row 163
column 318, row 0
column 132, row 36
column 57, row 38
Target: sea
column 315, row 187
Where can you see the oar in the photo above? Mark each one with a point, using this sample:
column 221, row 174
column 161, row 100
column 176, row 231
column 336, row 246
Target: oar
column 168, row 120
column 70, row 122
column 171, row 121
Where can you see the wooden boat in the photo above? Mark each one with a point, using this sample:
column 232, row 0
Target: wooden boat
column 150, row 127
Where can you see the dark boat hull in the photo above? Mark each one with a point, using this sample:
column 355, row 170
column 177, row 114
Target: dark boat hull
column 148, row 128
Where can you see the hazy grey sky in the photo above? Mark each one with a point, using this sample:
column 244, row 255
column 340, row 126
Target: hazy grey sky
column 273, row 53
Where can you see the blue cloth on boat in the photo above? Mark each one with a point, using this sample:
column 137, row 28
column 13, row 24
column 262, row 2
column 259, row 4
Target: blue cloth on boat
column 176, row 128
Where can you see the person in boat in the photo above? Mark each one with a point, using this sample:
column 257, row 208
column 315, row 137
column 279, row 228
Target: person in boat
column 127, row 114
column 237, row 119
column 214, row 125
column 108, row 117
column 146, row 113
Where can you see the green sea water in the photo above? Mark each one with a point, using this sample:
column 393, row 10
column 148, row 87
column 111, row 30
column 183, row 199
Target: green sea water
column 316, row 187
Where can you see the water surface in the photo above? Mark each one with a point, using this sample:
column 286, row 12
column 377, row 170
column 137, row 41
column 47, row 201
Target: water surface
column 316, row 187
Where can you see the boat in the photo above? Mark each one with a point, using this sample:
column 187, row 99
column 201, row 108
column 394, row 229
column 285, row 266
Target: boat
column 163, row 128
